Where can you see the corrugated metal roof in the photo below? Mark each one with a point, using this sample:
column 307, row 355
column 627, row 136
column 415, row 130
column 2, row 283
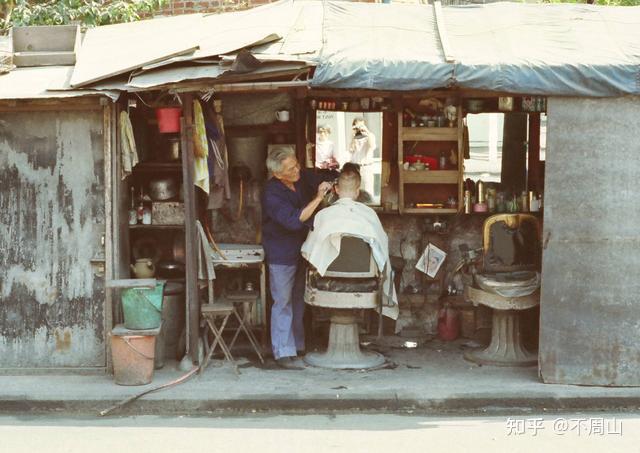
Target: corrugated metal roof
column 117, row 49
column 168, row 76
column 43, row 83
column 551, row 49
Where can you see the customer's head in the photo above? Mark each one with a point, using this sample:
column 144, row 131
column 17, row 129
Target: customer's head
column 348, row 184
column 282, row 163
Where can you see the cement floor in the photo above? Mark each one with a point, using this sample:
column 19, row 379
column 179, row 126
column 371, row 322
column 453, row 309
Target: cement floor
column 434, row 377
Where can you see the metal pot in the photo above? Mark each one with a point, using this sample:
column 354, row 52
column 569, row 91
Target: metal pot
column 170, row 269
column 163, row 189
column 179, row 252
column 173, row 149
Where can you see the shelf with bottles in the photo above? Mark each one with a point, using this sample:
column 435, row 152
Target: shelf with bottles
column 505, row 104
column 155, row 203
column 430, row 199
column 430, row 159
column 429, row 134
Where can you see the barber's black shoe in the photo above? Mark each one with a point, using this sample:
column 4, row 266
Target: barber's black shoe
column 287, row 363
column 297, row 361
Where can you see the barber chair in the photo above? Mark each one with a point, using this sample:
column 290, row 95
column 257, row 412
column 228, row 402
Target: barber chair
column 508, row 282
column 351, row 283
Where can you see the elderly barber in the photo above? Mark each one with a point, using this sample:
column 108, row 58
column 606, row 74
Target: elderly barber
column 290, row 199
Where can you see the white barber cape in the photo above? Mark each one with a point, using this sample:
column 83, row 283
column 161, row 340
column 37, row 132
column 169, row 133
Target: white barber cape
column 347, row 216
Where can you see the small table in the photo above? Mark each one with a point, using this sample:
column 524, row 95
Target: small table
column 247, row 256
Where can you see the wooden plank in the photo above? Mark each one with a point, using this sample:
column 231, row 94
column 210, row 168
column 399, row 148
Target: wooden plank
column 430, row 211
column 59, row 58
column 430, row 177
column 107, row 135
column 191, row 260
column 300, row 117
column 157, row 166
column 430, row 134
column 56, row 106
column 533, row 178
column 460, row 139
column 156, row 227
column 131, row 283
column 400, row 162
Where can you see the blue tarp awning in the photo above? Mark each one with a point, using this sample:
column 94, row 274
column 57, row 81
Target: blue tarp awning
column 548, row 49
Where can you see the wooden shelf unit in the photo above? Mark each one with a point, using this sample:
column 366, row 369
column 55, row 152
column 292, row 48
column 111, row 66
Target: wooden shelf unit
column 140, row 226
column 150, row 166
column 449, row 181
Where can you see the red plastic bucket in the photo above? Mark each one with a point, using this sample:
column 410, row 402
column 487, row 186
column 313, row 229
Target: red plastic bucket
column 133, row 358
column 168, row 119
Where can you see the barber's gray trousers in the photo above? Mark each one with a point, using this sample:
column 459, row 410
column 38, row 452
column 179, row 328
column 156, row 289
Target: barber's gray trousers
column 287, row 290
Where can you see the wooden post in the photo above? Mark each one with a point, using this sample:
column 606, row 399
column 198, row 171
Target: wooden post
column 533, row 176
column 514, row 172
column 191, row 260
column 301, row 126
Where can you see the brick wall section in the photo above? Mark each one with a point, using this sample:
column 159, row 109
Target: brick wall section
column 177, row 7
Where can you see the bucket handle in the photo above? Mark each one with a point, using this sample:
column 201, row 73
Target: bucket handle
column 126, row 340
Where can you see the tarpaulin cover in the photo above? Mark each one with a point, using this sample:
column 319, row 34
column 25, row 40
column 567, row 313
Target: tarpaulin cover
column 551, row 49
column 547, row 49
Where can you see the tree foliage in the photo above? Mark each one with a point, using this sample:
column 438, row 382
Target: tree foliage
column 84, row 12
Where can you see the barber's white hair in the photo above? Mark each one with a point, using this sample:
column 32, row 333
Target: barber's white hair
column 277, row 156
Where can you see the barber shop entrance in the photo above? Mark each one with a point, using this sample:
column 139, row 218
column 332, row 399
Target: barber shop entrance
column 414, row 223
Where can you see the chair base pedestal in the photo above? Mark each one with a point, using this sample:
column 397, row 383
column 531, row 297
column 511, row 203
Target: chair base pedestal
column 343, row 351
column 506, row 348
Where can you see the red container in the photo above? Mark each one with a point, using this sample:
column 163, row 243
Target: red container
column 430, row 162
column 448, row 324
column 168, row 119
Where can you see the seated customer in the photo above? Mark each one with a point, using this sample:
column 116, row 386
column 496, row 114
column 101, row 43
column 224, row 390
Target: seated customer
column 363, row 196
column 351, row 218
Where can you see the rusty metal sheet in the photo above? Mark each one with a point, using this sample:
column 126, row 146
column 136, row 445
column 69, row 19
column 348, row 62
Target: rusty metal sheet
column 51, row 222
column 590, row 316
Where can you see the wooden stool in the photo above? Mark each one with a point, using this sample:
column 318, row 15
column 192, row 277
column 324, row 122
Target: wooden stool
column 211, row 313
column 243, row 304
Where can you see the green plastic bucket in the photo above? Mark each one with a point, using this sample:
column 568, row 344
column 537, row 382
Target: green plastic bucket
column 142, row 307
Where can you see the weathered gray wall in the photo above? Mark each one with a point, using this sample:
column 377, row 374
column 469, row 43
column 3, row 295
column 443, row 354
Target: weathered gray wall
column 51, row 220
column 590, row 310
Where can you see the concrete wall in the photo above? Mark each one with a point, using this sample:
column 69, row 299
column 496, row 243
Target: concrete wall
column 52, row 306
column 590, row 315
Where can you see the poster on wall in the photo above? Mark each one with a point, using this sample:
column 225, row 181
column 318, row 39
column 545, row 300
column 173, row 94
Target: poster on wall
column 431, row 260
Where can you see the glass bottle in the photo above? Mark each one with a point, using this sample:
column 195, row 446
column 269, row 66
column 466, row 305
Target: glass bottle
column 140, row 208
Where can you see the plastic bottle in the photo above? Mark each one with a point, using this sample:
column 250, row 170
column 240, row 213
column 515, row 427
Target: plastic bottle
column 448, row 323
column 443, row 161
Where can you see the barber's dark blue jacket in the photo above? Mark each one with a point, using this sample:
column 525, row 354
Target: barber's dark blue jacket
column 282, row 231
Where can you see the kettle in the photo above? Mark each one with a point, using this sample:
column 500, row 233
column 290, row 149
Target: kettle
column 143, row 268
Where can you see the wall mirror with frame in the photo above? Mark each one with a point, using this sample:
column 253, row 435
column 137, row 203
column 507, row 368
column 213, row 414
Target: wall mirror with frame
column 355, row 137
